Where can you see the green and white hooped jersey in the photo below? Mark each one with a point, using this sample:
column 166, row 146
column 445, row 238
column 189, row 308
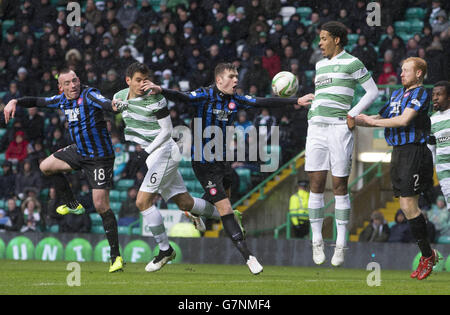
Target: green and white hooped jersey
column 335, row 83
column 141, row 124
column 440, row 129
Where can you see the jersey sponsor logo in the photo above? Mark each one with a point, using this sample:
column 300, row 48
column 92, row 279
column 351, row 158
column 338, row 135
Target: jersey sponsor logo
column 323, row 81
column 443, row 139
column 248, row 97
column 222, row 115
column 72, row 114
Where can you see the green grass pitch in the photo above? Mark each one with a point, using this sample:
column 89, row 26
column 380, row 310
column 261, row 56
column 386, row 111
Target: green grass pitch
column 37, row 277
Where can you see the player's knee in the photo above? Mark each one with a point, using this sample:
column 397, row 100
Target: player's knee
column 143, row 204
column 45, row 169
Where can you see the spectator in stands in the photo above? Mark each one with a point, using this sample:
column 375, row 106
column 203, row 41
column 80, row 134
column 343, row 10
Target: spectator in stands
column 377, row 230
column 271, row 62
column 112, row 84
column 411, row 48
column 34, row 125
column 73, row 223
column 9, row 43
column 57, row 142
column 17, row 149
column 257, row 76
column 388, row 71
column 366, row 53
column 127, row 13
column 427, row 37
column 120, row 162
column 15, row 215
column 436, row 62
column 398, row 51
column 7, row 181
column 27, row 178
column 440, row 217
column 128, row 211
column 37, row 155
column 13, row 93
column 93, row 15
column 401, row 231
column 5, row 75
column 298, row 205
column 31, row 209
column 49, row 214
column 85, row 198
column 264, row 119
column 436, row 9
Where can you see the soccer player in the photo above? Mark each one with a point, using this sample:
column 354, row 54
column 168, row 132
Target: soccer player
column 439, row 139
column 148, row 123
column 407, row 127
column 218, row 105
column 91, row 151
column 329, row 144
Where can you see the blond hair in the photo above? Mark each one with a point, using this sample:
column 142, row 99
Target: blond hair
column 419, row 64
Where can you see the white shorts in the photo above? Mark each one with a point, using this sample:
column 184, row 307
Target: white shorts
column 329, row 147
column 163, row 176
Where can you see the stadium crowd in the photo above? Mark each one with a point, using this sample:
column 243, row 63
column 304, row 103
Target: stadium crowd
column 181, row 41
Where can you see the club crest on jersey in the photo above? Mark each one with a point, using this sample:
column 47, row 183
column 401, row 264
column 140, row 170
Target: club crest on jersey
column 232, row 105
column 79, row 101
column 406, row 94
column 213, row 191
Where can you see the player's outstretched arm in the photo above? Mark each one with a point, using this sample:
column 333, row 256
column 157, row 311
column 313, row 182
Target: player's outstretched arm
column 305, row 101
column 27, row 101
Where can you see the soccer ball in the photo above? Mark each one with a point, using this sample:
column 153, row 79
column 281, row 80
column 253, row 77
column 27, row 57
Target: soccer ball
column 284, row 84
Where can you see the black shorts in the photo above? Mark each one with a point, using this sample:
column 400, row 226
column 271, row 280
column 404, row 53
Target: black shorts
column 411, row 169
column 215, row 178
column 99, row 171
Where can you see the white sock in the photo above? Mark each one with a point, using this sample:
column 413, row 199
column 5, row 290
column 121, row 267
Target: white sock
column 316, row 215
column 152, row 217
column 342, row 215
column 204, row 208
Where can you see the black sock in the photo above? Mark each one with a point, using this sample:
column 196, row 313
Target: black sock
column 110, row 226
column 233, row 231
column 64, row 193
column 418, row 227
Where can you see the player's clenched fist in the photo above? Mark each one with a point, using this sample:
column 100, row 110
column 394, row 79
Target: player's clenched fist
column 305, row 100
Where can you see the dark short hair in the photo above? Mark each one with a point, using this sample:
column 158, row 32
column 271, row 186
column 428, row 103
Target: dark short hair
column 222, row 67
column 137, row 67
column 445, row 84
column 336, row 29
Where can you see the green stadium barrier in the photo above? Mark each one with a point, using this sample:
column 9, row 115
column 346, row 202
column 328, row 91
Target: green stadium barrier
column 78, row 249
column 138, row 251
column 438, row 267
column 447, row 264
column 20, row 248
column 2, row 249
column 102, row 251
column 50, row 249
column 177, row 249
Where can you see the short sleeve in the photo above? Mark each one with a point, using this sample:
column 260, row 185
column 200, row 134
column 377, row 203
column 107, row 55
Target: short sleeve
column 419, row 100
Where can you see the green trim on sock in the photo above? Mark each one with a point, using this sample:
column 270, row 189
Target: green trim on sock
column 157, row 229
column 316, row 213
column 342, row 214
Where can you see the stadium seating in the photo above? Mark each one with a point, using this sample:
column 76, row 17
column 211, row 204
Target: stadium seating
column 115, row 206
column 304, row 12
column 402, row 26
column 415, row 13
column 416, row 26
column 114, row 195
column 352, row 39
column 245, row 181
column 124, row 184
